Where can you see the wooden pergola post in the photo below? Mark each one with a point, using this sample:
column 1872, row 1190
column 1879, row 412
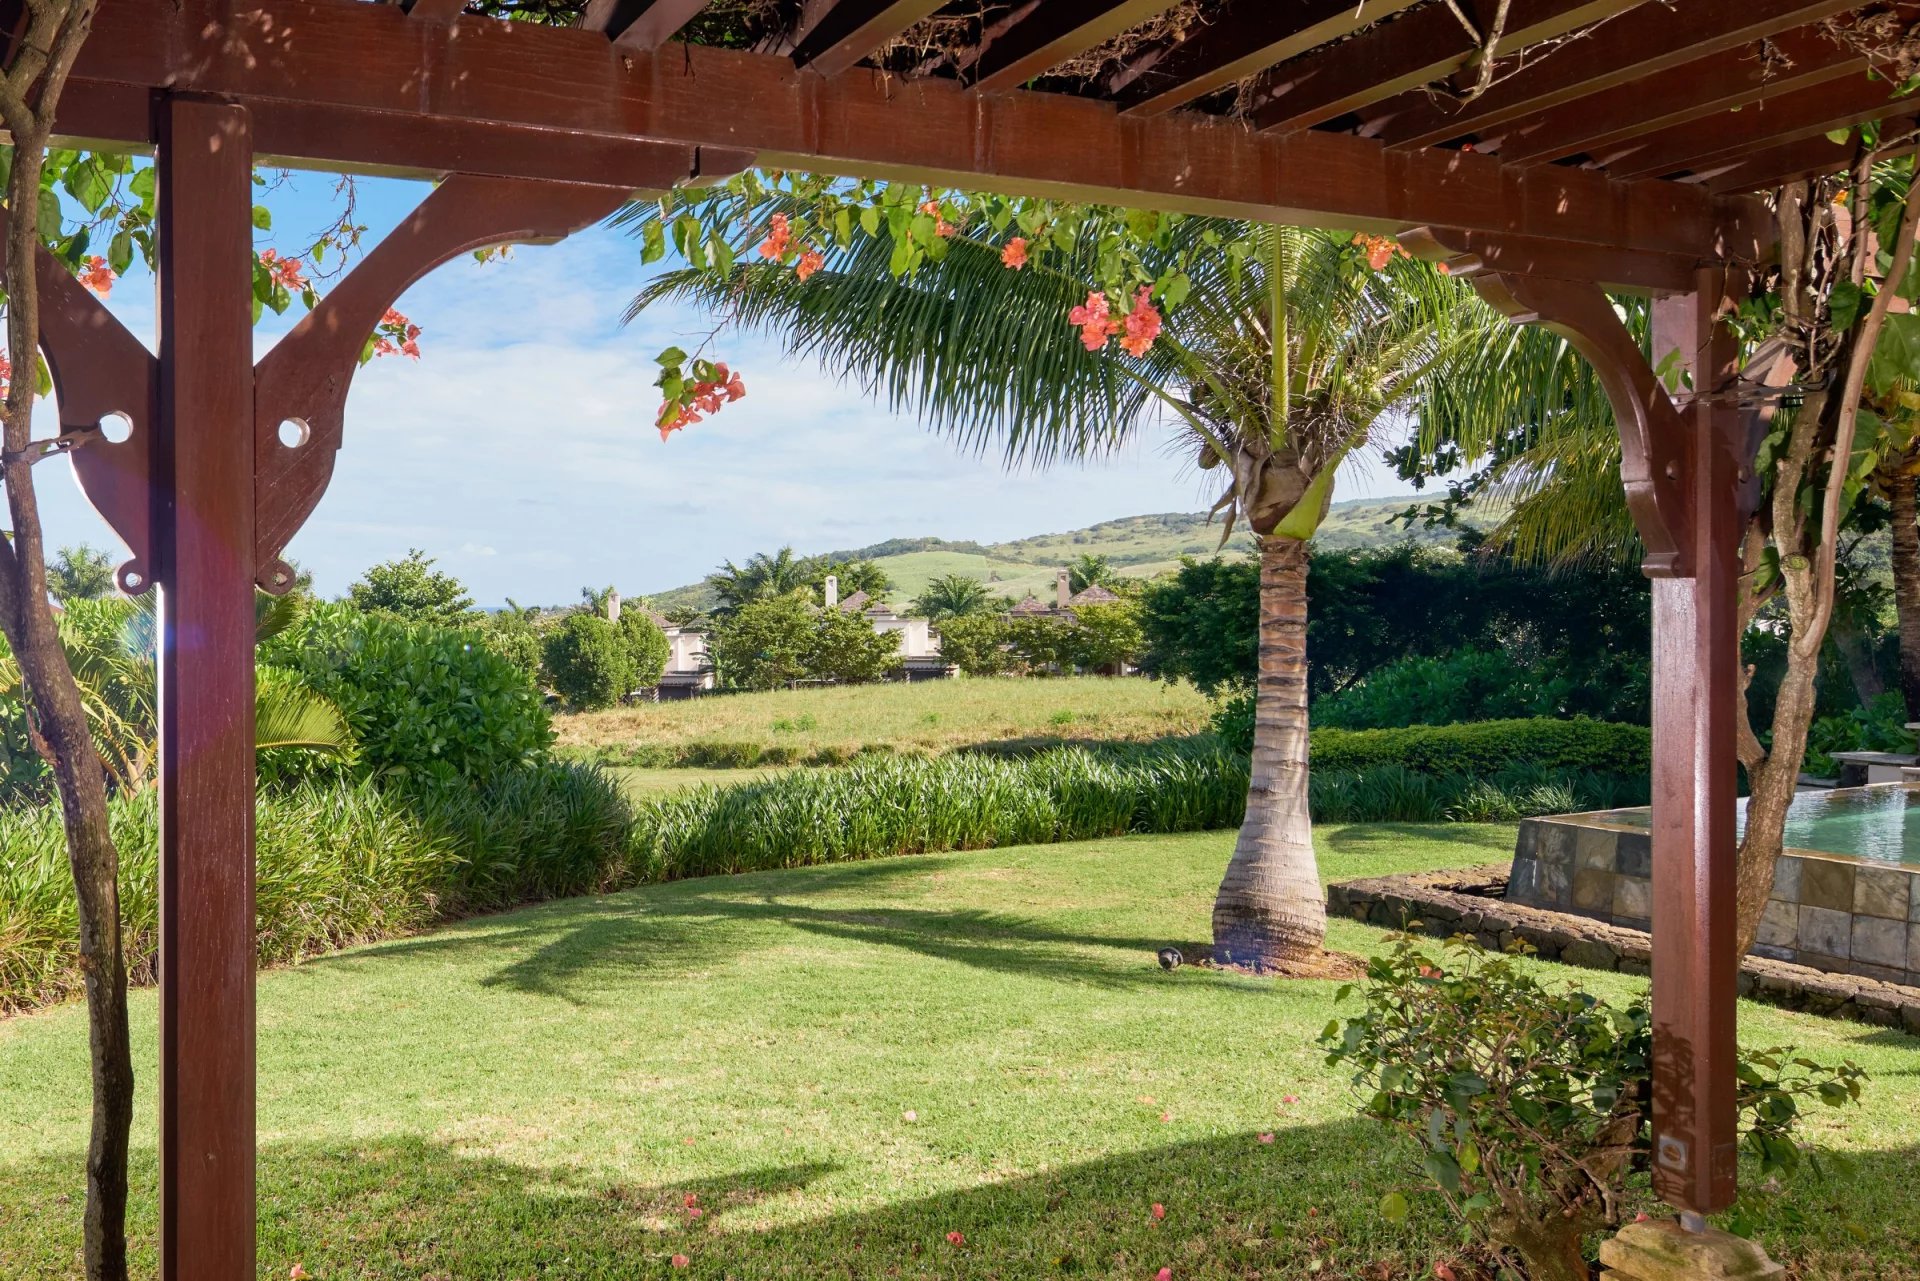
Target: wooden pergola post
column 203, row 557
column 1696, row 706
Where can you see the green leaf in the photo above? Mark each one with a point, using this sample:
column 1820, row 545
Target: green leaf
column 1307, row 514
column 1838, row 136
column 653, row 243
column 142, row 186
column 262, row 218
column 120, row 252
column 672, row 356
column 89, row 183
column 50, row 220
column 870, row 220
column 1443, row 1170
column 1394, row 1207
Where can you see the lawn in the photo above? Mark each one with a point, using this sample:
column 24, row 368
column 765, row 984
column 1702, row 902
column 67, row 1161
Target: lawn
column 928, row 716
column 648, row 784
column 839, row 1066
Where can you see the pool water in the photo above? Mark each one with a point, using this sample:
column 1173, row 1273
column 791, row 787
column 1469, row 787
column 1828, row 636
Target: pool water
column 1881, row 821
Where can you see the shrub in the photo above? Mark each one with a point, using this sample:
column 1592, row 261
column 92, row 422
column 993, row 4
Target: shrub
column 1104, row 637
column 337, row 863
column 422, row 700
column 515, row 638
column 763, row 644
column 844, row 648
column 1530, row 1107
column 413, row 589
column 589, row 663
column 1486, row 747
column 1881, row 726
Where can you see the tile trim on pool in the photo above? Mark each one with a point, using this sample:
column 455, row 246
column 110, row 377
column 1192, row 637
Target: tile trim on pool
column 1831, row 912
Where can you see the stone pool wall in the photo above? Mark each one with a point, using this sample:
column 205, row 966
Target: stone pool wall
column 1830, row 912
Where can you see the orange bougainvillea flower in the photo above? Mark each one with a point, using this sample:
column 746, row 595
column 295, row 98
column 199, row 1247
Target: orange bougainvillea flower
column 1095, row 320
column 1015, row 254
column 779, row 239
column 97, row 276
column 810, row 261
column 286, row 271
column 1142, row 324
column 941, row 227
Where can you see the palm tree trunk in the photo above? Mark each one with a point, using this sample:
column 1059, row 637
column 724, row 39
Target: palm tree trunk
column 1906, row 580
column 1270, row 908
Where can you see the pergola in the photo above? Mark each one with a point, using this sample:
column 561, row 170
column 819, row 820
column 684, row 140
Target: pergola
column 1611, row 148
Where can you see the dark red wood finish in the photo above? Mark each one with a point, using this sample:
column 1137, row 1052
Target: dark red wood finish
column 1696, row 700
column 1045, row 33
column 203, row 548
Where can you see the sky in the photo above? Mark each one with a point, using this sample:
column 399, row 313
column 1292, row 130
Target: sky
column 520, row 450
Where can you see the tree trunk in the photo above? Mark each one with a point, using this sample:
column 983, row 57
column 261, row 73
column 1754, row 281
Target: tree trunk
column 1270, row 906
column 1906, row 580
column 1773, row 783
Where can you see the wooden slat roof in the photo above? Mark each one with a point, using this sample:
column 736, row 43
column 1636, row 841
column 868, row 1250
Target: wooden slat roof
column 1623, row 125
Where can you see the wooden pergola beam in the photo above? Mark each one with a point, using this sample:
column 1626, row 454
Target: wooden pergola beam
column 843, row 32
column 640, row 24
column 1628, row 50
column 1045, row 33
column 1249, row 36
column 1797, row 59
column 433, row 10
column 1416, row 49
column 1838, row 104
column 478, row 87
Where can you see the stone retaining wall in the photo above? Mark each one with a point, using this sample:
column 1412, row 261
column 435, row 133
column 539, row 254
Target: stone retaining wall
column 1469, row 902
column 1828, row 912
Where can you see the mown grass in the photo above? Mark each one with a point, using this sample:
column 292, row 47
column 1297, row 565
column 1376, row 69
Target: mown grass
column 829, row 725
column 841, row 1065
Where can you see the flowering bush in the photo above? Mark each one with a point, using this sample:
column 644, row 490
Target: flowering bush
column 1531, row 1106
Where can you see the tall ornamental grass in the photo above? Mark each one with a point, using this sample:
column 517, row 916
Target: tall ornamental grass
column 911, row 805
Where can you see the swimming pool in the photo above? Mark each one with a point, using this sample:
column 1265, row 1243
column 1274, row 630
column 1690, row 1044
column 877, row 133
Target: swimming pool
column 1880, row 822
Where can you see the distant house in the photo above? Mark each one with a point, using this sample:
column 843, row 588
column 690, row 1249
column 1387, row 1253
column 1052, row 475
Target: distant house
column 919, row 643
column 1064, row 600
column 689, row 670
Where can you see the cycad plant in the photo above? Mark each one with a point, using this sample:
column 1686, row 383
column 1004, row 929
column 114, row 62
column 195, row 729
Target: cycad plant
column 1286, row 351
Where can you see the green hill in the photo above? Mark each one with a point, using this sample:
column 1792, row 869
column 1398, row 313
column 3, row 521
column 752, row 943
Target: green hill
column 1142, row 546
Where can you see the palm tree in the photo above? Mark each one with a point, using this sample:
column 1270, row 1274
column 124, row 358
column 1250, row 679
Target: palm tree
column 763, row 577
column 952, row 596
column 1273, row 371
column 1090, row 571
column 110, row 646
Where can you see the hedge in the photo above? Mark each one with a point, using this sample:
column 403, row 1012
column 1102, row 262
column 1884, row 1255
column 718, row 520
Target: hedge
column 1485, row 748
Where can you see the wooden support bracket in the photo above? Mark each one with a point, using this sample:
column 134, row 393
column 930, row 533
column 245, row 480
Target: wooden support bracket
column 1653, row 433
column 301, row 385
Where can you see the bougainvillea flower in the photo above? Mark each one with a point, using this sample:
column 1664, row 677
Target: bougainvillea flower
column 97, row 276
column 682, row 1261
column 810, row 261
column 1142, row 324
column 1266, row 1138
column 1095, row 320
column 941, row 227
column 1164, row 1274
column 297, row 1273
column 1015, row 254
column 956, row 1238
column 1159, row 1211
column 286, row 271
column 779, row 238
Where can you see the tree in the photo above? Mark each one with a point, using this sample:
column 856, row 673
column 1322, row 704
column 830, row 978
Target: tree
column 846, row 649
column 854, row 575
column 764, row 644
column 80, row 573
column 977, row 643
column 413, row 589
column 1090, row 571
column 1105, row 638
column 1277, row 352
column 589, row 662
column 952, row 596
column 763, row 577
column 1202, row 625
column 647, row 646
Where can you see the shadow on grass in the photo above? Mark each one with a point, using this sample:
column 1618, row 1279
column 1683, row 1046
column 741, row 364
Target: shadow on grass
column 576, row 949
column 1369, row 838
column 1302, row 1206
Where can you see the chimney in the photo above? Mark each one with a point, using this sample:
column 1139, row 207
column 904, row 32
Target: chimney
column 833, row 591
column 613, row 606
column 1062, row 588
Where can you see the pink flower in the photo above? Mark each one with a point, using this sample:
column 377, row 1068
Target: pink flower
column 778, row 240
column 1142, row 324
column 956, row 1238
column 682, row 1261
column 1164, row 1274
column 810, row 261
column 1289, row 1099
column 284, row 270
column 298, row 1273
column 1159, row 1211
column 1266, row 1138
column 1095, row 320
column 1165, row 1117
column 97, row 276
column 1015, row 254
